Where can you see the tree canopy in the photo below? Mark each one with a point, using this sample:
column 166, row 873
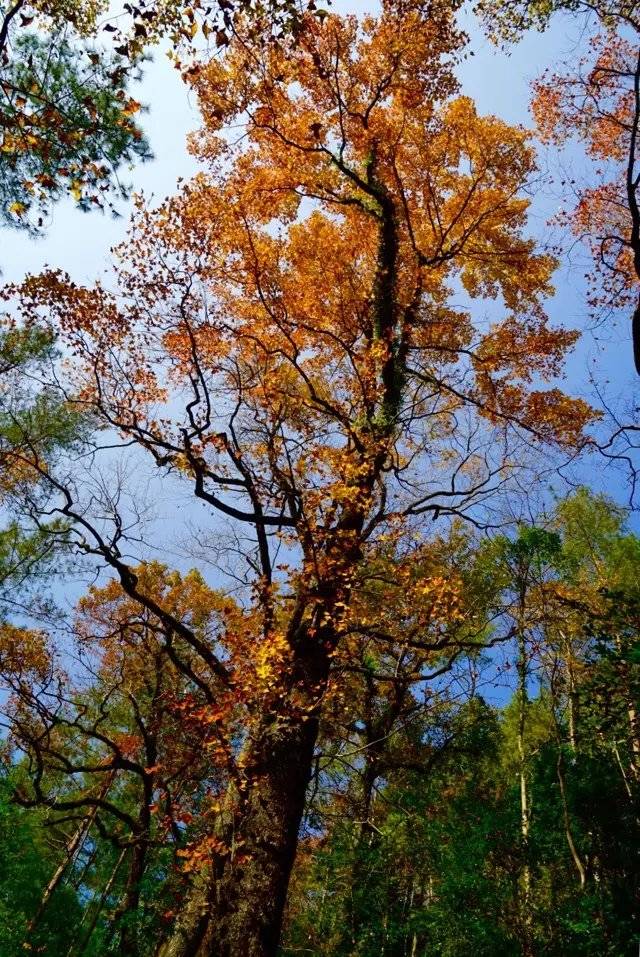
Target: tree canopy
column 377, row 711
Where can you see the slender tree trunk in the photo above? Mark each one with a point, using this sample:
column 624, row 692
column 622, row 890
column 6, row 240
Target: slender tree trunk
column 364, row 852
column 377, row 730
column 98, row 909
column 635, row 336
column 525, row 800
column 634, row 723
column 634, row 727
column 573, row 850
column 75, row 842
column 572, row 695
column 625, row 779
column 560, row 767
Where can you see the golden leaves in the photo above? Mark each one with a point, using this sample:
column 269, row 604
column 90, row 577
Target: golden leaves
column 284, row 337
column 24, row 653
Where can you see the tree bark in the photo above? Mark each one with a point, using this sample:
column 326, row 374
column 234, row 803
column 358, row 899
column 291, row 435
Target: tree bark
column 236, row 909
column 237, row 912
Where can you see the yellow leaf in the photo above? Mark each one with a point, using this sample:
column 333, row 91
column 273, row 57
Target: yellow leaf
column 132, row 107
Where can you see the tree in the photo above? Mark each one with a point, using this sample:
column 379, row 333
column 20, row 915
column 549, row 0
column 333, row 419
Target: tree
column 594, row 98
column 284, row 343
column 67, row 119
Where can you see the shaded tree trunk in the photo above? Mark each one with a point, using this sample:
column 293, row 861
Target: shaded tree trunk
column 74, row 844
column 131, row 901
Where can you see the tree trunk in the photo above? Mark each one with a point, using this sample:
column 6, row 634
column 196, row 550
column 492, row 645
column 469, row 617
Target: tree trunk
column 635, row 336
column 131, row 901
column 572, row 694
column 98, row 908
column 236, row 909
column 252, row 892
column 573, row 850
column 190, row 927
column 525, row 803
column 237, row 912
column 560, row 771
column 74, row 844
column 634, row 728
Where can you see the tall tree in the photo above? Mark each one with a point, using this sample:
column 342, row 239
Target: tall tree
column 284, row 342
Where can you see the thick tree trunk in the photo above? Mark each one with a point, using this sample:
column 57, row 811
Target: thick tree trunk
column 190, row 927
column 236, row 910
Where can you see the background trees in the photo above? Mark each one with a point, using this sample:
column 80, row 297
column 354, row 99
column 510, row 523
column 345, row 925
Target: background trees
column 446, row 870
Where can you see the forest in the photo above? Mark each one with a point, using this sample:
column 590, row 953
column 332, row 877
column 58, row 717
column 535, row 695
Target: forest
column 319, row 538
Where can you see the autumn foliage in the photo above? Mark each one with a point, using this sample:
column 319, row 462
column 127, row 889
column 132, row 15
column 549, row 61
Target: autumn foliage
column 595, row 101
column 300, row 338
